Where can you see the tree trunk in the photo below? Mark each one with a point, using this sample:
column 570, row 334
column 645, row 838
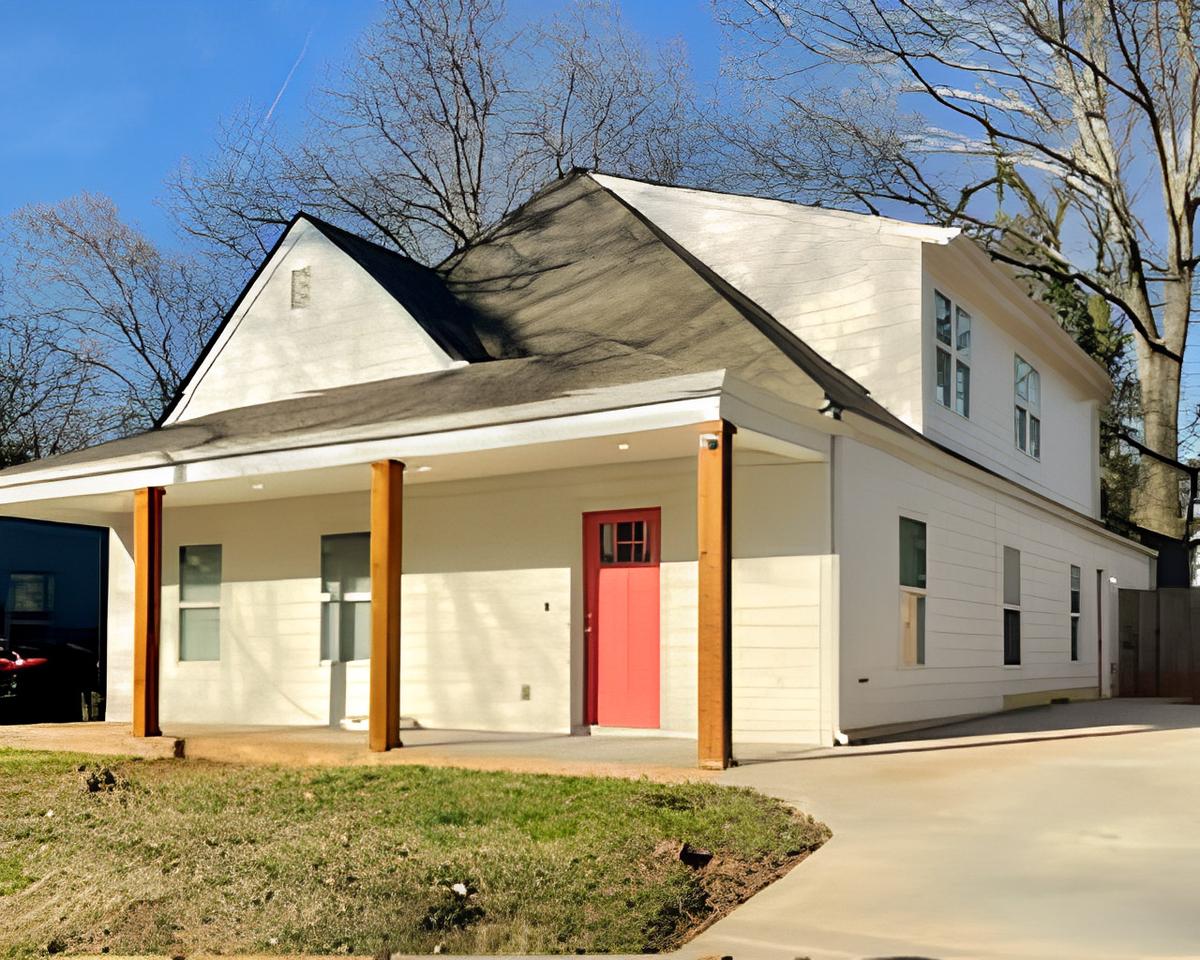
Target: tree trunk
column 1156, row 501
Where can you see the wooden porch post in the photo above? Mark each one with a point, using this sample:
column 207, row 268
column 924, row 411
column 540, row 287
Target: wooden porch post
column 147, row 604
column 714, row 481
column 387, row 525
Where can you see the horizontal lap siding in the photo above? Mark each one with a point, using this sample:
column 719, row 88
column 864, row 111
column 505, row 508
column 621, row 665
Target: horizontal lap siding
column 351, row 331
column 968, row 526
column 777, row 648
column 1066, row 470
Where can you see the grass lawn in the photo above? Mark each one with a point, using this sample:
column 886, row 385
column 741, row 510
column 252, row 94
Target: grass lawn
column 184, row 856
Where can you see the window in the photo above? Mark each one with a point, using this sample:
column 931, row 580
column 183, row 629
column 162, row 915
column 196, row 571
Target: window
column 1012, row 607
column 31, row 593
column 300, row 286
column 1075, row 574
column 912, row 592
column 346, row 596
column 952, row 328
column 200, row 602
column 1027, row 409
column 627, row 541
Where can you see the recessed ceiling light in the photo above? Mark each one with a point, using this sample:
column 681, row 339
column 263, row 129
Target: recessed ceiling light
column 257, row 486
column 424, row 468
column 622, row 446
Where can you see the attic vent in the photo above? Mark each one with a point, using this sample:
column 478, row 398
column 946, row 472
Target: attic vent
column 300, row 280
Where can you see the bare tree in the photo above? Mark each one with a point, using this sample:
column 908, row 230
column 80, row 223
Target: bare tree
column 1060, row 132
column 91, row 292
column 604, row 100
column 447, row 116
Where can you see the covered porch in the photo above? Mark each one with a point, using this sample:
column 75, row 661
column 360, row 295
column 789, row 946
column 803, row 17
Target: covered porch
column 663, row 571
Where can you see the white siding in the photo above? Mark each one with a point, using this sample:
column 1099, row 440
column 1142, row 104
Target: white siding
column 779, row 642
column 848, row 285
column 483, row 562
column 968, row 526
column 351, row 331
column 1068, row 468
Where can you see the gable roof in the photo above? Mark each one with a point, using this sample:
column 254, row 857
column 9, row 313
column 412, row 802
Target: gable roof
column 414, row 286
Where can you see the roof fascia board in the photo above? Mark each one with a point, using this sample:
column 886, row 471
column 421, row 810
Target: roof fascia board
column 927, row 232
column 1033, row 318
column 649, row 416
column 924, row 453
column 169, row 414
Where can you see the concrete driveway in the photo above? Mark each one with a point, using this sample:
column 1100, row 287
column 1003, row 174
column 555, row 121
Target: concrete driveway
column 1084, row 842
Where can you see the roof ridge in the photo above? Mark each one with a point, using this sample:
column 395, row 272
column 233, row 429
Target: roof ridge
column 883, row 218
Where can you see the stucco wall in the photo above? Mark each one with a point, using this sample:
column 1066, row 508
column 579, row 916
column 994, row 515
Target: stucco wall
column 968, row 526
column 483, row 561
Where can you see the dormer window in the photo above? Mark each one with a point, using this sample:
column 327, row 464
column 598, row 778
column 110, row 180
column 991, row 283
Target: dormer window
column 952, row 328
column 300, row 279
column 1027, row 409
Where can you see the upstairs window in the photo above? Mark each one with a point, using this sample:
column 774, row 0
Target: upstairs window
column 1027, row 409
column 952, row 329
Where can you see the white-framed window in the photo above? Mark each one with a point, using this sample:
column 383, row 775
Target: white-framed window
column 1012, row 607
column 200, row 602
column 912, row 592
column 1076, row 574
column 1027, row 408
column 346, row 596
column 952, row 333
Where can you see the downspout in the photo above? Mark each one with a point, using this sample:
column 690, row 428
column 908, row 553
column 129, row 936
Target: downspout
column 839, row 738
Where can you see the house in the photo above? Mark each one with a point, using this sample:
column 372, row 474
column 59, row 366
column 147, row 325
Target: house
column 647, row 458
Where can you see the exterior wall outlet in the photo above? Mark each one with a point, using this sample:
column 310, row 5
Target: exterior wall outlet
column 524, row 691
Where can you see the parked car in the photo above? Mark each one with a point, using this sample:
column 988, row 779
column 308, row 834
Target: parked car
column 45, row 682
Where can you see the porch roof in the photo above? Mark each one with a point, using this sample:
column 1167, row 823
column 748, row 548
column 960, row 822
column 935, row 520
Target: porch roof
column 515, row 392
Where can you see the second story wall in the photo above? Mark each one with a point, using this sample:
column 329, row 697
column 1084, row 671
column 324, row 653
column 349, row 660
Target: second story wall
column 1063, row 461
column 847, row 284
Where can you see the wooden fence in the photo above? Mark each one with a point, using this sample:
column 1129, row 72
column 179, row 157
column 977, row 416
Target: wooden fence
column 1159, row 643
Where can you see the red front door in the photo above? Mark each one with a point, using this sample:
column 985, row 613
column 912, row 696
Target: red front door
column 621, row 616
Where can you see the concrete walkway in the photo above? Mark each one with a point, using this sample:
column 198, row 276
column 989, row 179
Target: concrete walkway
column 1067, row 832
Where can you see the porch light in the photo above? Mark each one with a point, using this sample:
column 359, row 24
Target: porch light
column 1112, row 579
column 257, row 486
column 424, row 468
column 710, row 441
column 622, row 446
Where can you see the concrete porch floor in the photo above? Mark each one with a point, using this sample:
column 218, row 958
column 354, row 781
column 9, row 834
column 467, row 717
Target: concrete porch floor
column 664, row 759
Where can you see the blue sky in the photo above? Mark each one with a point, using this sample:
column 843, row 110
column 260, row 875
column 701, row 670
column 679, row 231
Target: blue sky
column 107, row 96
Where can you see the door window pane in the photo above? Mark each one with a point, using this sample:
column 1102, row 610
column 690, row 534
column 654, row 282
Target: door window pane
column 1074, row 589
column 912, row 553
column 627, row 541
column 200, row 633
column 200, row 573
column 1074, row 638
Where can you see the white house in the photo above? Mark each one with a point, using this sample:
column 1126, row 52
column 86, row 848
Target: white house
column 647, row 457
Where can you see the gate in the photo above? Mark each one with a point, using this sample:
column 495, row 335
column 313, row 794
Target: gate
column 1159, row 643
